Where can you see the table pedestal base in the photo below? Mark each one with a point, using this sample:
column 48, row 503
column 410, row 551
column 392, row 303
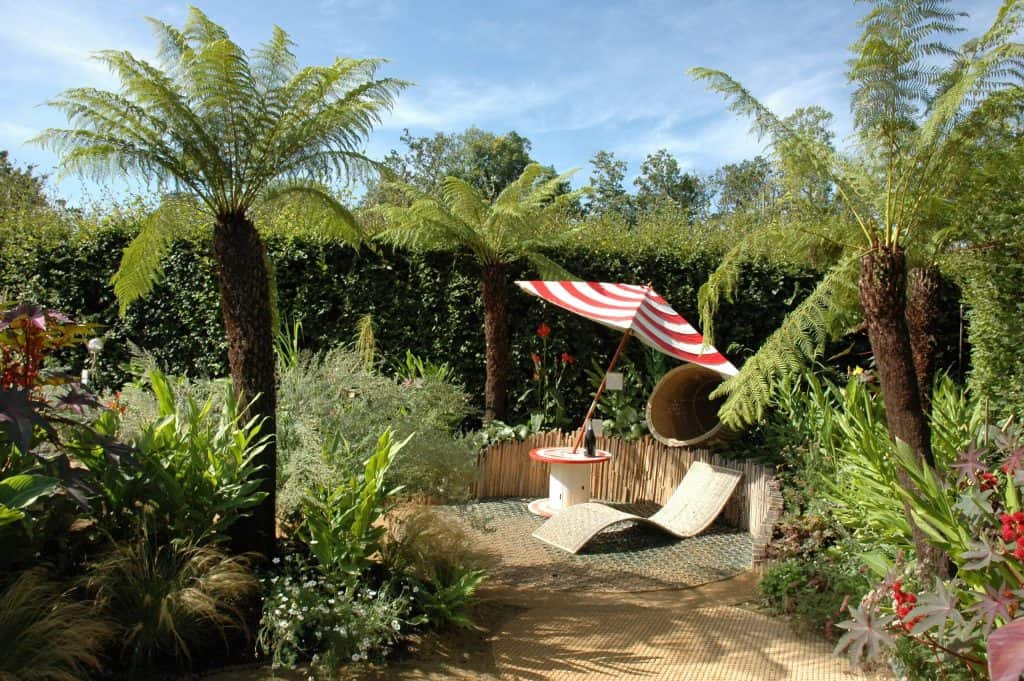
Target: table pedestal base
column 568, row 479
column 568, row 485
column 541, row 507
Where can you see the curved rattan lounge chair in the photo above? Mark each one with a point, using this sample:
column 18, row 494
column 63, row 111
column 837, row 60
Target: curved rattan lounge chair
column 697, row 501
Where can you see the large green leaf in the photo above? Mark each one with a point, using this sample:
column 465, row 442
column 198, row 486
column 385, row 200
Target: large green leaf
column 20, row 491
column 9, row 515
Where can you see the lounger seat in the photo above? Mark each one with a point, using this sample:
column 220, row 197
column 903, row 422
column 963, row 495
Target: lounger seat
column 694, row 505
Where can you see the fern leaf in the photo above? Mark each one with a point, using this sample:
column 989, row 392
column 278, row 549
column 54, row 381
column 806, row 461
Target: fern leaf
column 826, row 313
column 141, row 263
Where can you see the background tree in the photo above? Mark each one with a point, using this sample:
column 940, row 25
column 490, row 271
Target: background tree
column 226, row 130
column 913, row 120
column 20, row 188
column 514, row 226
column 607, row 191
column 488, row 161
column 748, row 186
column 661, row 179
column 805, row 186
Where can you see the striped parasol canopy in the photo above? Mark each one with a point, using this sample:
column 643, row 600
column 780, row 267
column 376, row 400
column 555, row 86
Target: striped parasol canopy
column 636, row 309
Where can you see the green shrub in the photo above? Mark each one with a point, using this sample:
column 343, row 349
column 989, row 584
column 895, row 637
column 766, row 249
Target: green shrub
column 45, row 635
column 171, row 600
column 836, row 452
column 340, row 526
column 331, row 411
column 438, row 564
column 429, row 304
column 192, row 467
column 326, row 619
column 814, row 590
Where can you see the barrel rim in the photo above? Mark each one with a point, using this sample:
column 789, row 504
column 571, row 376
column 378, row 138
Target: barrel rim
column 671, row 441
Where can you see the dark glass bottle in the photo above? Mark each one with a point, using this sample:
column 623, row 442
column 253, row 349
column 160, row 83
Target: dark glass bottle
column 590, row 440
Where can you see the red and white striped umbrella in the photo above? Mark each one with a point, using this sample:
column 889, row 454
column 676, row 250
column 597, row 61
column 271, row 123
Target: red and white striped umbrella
column 638, row 309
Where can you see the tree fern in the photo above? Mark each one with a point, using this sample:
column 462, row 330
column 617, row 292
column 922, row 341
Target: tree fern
column 230, row 130
column 913, row 119
column 514, row 226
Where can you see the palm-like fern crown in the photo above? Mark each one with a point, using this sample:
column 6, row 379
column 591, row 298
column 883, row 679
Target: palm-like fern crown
column 892, row 75
column 513, row 226
column 218, row 123
column 914, row 120
column 227, row 129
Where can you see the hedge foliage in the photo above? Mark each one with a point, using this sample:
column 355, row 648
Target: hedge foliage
column 427, row 303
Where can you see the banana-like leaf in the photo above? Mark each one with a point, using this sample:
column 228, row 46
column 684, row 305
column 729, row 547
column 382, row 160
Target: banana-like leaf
column 20, row 491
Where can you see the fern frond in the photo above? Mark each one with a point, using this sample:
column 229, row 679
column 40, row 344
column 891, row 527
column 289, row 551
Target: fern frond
column 463, row 200
column 366, row 341
column 514, row 226
column 824, row 315
column 721, row 284
column 340, row 225
column 141, row 263
column 989, row 65
column 548, row 268
column 764, row 123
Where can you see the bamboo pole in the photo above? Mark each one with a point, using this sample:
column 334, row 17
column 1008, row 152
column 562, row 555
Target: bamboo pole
column 600, row 388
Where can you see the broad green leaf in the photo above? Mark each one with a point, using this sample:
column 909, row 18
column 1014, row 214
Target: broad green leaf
column 20, row 491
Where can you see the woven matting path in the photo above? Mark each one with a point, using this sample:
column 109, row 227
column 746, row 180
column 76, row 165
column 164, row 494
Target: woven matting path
column 636, row 604
column 627, row 557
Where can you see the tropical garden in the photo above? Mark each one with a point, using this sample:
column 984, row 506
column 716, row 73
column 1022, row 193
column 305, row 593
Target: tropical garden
column 224, row 403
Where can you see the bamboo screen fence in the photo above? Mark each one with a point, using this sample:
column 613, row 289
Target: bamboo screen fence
column 642, row 470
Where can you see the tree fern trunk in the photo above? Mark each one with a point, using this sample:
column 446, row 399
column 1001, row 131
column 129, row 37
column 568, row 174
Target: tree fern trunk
column 492, row 288
column 883, row 278
column 245, row 306
column 922, row 321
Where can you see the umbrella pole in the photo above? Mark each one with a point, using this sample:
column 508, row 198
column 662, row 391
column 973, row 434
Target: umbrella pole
column 600, row 389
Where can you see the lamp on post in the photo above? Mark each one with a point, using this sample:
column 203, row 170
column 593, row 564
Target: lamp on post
column 95, row 347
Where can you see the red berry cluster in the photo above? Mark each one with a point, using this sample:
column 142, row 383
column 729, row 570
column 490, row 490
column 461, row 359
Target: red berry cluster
column 1013, row 532
column 904, row 602
column 988, row 481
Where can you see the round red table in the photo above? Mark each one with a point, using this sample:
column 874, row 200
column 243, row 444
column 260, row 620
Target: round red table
column 569, row 480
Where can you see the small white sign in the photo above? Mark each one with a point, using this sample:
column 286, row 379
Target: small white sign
column 598, row 426
column 613, row 381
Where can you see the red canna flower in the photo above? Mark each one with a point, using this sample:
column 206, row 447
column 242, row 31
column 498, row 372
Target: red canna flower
column 567, row 358
column 535, row 357
column 543, row 331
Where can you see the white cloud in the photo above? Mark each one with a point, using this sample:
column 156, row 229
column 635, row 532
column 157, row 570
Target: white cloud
column 451, row 104
column 374, row 10
column 64, row 38
column 14, row 135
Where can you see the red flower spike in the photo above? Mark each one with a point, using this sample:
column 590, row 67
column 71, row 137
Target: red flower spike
column 543, row 331
column 567, row 358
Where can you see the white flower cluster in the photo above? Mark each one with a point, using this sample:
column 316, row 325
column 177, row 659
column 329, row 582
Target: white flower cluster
column 327, row 620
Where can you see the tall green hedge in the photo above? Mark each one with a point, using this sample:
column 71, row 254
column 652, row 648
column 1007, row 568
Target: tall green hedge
column 427, row 303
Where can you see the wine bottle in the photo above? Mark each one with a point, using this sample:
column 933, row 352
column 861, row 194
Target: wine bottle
column 590, row 440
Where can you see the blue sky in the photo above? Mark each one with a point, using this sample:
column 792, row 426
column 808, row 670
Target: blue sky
column 573, row 77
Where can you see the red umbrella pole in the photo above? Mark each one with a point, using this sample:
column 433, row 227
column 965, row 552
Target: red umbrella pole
column 600, row 389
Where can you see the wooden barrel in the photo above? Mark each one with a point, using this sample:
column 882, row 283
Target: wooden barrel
column 680, row 412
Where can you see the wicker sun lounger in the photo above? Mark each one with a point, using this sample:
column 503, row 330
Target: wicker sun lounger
column 697, row 501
